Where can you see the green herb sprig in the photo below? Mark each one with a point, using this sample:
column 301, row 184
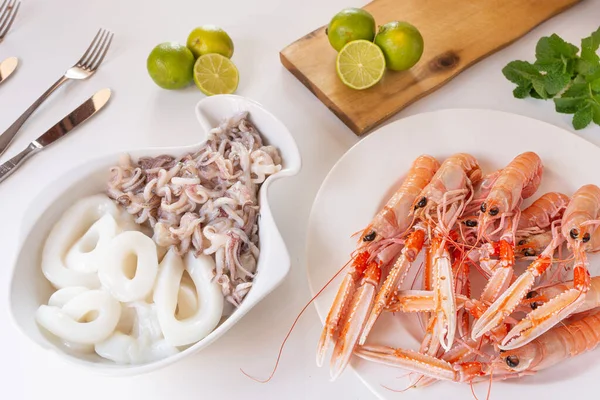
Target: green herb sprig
column 559, row 73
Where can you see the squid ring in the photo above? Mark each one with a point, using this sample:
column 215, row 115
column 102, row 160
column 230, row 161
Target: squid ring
column 59, row 299
column 145, row 343
column 87, row 318
column 85, row 254
column 130, row 267
column 187, row 300
column 73, row 225
column 166, row 293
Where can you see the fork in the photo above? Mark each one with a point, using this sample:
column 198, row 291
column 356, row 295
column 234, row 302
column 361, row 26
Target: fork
column 8, row 12
column 83, row 69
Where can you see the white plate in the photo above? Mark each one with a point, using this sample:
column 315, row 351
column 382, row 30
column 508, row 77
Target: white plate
column 362, row 181
column 29, row 289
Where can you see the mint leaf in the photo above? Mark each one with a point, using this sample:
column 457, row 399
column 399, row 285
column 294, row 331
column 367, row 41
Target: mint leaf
column 521, row 72
column 580, row 90
column 567, row 105
column 554, row 56
column 572, row 99
column 589, row 63
column 556, row 59
column 553, row 66
column 526, row 75
column 535, row 95
column 596, row 111
column 583, row 117
column 540, row 87
column 595, row 85
column 589, row 47
column 554, row 48
column 586, row 68
column 521, row 92
column 591, row 77
column 555, row 83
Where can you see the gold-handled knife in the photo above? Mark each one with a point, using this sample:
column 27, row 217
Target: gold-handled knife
column 66, row 125
column 7, row 67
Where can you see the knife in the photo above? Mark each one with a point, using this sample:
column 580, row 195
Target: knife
column 66, row 125
column 7, row 67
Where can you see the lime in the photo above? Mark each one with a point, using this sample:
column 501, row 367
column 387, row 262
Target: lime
column 215, row 74
column 402, row 45
column 170, row 65
column 348, row 25
column 209, row 39
column 360, row 64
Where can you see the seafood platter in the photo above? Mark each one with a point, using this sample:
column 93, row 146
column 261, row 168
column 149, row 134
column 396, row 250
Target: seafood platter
column 458, row 266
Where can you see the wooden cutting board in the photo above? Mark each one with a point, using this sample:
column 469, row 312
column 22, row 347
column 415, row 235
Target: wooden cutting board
column 457, row 34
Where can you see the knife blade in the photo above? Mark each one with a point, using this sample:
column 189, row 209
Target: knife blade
column 7, row 67
column 77, row 117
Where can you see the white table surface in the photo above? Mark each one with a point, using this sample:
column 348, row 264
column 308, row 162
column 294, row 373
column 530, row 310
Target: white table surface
column 48, row 36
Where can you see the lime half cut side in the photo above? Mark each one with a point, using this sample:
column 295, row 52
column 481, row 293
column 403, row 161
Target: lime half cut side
column 215, row 74
column 360, row 64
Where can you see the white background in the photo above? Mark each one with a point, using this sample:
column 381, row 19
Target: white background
column 48, row 36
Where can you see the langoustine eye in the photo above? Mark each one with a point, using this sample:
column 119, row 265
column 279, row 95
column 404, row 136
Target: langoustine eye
column 512, row 361
column 369, row 237
column 471, row 223
column 532, row 295
column 422, row 203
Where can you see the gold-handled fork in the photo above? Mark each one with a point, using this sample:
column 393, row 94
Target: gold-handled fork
column 83, row 69
column 8, row 12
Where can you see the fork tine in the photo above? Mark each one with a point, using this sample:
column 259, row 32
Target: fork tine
column 97, row 51
column 90, row 47
column 3, row 4
column 94, row 53
column 4, row 12
column 104, row 51
column 12, row 19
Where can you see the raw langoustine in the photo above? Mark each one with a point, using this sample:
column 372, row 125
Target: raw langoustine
column 477, row 221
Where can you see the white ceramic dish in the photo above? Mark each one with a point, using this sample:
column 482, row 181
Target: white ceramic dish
column 29, row 288
column 364, row 178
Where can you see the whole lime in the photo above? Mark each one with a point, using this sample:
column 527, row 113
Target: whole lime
column 401, row 43
column 348, row 25
column 171, row 65
column 210, row 39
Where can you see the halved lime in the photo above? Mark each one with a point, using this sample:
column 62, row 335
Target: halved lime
column 360, row 64
column 215, row 74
